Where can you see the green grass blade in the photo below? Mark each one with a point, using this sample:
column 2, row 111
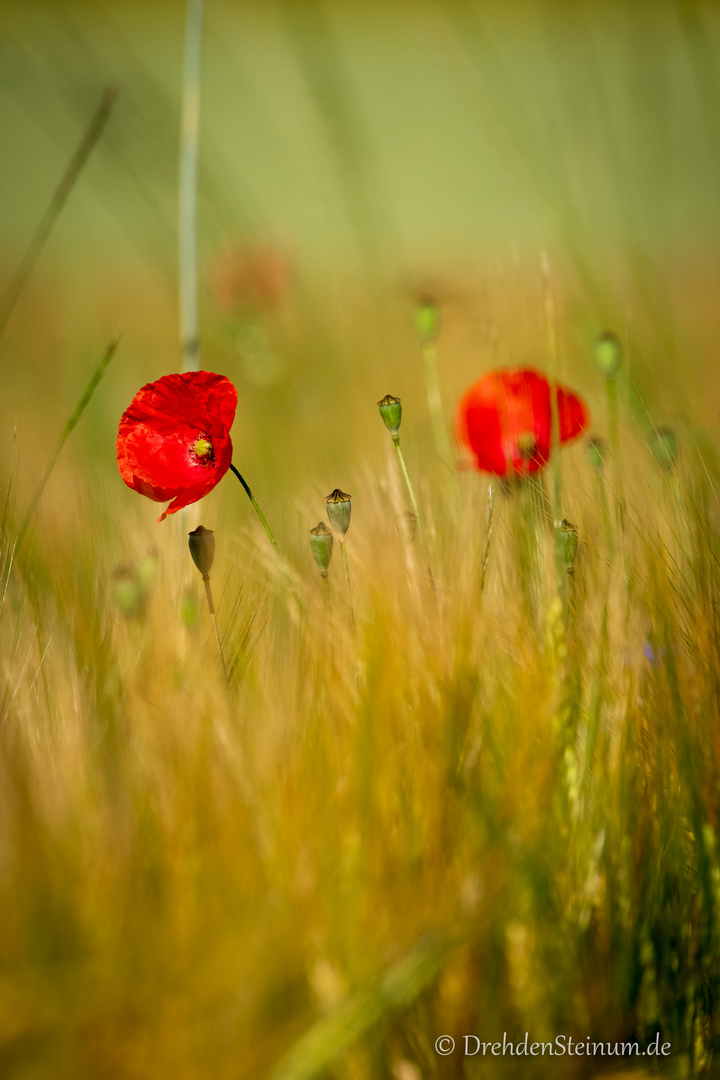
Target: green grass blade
column 77, row 412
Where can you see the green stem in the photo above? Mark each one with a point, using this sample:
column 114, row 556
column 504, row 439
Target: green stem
column 411, row 493
column 67, row 430
column 432, row 385
column 570, row 599
column 488, row 534
column 326, row 590
column 257, row 509
column 187, row 197
column 607, row 523
column 552, row 355
column 525, row 516
column 211, row 608
column 92, row 134
column 270, row 536
column 416, row 512
column 615, row 450
column 344, row 561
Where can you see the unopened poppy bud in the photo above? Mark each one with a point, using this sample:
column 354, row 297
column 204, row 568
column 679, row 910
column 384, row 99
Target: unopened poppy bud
column 201, row 542
column 596, row 451
column 339, row 508
column 569, row 544
column 427, row 318
column 664, row 447
column 608, row 354
column 391, row 412
column 321, row 545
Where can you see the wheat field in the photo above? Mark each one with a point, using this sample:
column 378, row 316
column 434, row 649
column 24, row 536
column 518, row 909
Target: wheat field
column 469, row 790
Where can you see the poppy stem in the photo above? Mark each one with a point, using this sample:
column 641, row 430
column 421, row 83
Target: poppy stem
column 416, row 512
column 612, row 400
column 187, row 196
column 605, row 511
column 411, row 493
column 270, row 536
column 488, row 534
column 326, row 591
column 211, row 608
column 344, row 561
column 432, row 385
column 552, row 355
column 257, row 509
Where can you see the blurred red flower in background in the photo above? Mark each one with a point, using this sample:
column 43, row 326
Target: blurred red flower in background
column 174, row 439
column 249, row 278
column 505, row 420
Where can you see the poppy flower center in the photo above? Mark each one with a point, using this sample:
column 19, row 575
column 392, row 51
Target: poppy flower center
column 202, row 450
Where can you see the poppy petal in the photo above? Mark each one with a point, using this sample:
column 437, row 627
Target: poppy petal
column 478, row 424
column 573, row 414
column 505, row 420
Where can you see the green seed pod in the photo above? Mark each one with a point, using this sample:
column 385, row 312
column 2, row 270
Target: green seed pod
column 391, row 412
column 664, row 447
column 201, row 542
column 321, row 545
column 608, row 354
column 569, row 539
column 596, row 451
column 427, row 318
column 339, row 508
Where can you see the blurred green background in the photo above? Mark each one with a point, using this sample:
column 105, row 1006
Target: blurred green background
column 454, row 127
column 373, row 152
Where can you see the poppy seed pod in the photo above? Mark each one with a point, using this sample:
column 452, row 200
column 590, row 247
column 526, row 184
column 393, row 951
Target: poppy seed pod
column 201, row 542
column 427, row 318
column 569, row 544
column 321, row 545
column 339, row 509
column 391, row 412
column 608, row 353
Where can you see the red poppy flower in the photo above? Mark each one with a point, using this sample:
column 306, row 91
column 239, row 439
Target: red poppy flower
column 505, row 420
column 174, row 440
